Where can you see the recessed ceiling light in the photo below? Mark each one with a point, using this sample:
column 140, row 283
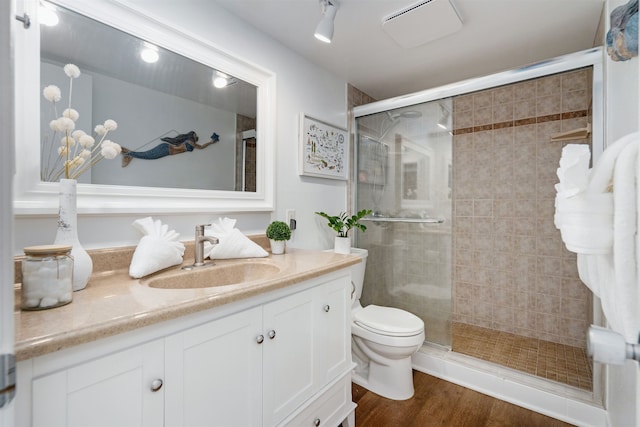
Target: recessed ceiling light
column 149, row 53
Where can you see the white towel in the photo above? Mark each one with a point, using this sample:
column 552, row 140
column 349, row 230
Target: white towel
column 614, row 276
column 158, row 249
column 625, row 285
column 231, row 242
column 573, row 172
column 603, row 171
column 585, row 220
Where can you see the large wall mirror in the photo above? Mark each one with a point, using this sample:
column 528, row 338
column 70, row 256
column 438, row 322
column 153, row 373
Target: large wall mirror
column 196, row 125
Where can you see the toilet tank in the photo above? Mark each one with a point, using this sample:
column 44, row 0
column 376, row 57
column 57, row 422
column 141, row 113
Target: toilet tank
column 358, row 270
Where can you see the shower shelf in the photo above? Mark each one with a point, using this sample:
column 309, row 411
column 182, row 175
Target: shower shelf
column 410, row 220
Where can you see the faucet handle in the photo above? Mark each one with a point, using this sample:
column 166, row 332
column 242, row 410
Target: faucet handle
column 200, row 228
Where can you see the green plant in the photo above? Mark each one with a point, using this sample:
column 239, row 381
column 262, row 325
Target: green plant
column 278, row 230
column 342, row 223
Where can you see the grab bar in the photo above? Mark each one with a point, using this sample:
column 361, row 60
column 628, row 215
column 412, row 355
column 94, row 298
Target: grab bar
column 409, row 220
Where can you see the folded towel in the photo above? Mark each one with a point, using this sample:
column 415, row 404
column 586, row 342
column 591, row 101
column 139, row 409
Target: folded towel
column 158, row 249
column 573, row 175
column 231, row 242
column 586, row 222
column 574, row 169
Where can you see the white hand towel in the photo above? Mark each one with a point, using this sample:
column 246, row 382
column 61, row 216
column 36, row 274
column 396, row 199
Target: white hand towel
column 231, row 242
column 158, row 249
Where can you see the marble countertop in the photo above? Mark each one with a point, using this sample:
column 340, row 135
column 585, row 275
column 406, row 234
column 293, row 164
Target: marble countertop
column 114, row 303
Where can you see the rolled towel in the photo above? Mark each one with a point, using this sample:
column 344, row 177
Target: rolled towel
column 231, row 242
column 158, row 249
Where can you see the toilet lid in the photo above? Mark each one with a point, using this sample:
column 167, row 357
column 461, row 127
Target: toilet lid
column 389, row 321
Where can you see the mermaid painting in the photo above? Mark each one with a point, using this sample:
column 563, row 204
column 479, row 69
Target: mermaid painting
column 169, row 146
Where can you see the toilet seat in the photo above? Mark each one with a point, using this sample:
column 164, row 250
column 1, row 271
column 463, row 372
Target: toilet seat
column 388, row 321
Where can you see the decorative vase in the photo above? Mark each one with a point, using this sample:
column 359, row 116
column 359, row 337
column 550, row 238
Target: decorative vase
column 67, row 234
column 342, row 245
column 277, row 246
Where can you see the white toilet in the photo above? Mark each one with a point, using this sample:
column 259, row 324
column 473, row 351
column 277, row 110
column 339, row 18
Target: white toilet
column 383, row 341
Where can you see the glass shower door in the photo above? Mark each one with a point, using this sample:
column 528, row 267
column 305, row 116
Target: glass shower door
column 404, row 176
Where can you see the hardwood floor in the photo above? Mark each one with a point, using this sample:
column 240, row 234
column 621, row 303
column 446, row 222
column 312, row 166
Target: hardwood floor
column 441, row 403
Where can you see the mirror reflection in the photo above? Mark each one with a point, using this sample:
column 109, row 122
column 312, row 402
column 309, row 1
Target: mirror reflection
column 181, row 124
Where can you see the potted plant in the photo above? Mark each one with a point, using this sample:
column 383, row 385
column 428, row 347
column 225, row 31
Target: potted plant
column 278, row 233
column 341, row 224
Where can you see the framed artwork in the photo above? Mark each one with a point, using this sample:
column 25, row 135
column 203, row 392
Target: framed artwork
column 323, row 150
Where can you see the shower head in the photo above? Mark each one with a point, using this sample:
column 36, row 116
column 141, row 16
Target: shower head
column 409, row 114
column 395, row 118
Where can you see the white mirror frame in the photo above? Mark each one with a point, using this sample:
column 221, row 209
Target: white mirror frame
column 34, row 197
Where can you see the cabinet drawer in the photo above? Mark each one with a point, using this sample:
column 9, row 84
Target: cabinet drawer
column 329, row 409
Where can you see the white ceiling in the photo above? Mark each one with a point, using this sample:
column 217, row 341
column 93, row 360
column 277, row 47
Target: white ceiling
column 496, row 35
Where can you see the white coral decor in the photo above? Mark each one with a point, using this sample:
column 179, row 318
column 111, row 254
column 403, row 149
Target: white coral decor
column 77, row 151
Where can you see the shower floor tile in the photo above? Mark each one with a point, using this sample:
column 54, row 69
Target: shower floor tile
column 556, row 362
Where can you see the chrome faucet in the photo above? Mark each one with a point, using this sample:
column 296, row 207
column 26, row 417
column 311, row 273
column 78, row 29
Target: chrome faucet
column 199, row 247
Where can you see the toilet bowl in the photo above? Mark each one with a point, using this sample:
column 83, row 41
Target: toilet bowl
column 383, row 341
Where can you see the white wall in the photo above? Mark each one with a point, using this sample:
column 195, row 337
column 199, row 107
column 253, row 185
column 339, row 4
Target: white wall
column 301, row 87
column 622, row 117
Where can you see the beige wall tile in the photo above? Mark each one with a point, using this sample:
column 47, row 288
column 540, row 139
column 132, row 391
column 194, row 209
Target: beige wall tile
column 515, row 262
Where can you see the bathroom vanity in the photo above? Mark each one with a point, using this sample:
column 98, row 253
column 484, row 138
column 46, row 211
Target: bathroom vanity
column 262, row 352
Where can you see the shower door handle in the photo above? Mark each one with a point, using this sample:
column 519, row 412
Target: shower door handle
column 407, row 220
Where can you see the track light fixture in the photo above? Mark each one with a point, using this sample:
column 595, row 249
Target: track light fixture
column 444, row 118
column 324, row 30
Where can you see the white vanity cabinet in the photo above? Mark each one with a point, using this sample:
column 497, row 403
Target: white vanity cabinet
column 214, row 373
column 114, row 390
column 282, row 358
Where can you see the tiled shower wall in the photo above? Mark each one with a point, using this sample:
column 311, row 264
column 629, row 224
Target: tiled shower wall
column 511, row 270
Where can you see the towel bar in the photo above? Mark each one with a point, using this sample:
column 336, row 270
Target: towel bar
column 409, row 220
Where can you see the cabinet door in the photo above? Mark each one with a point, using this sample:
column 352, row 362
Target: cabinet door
column 289, row 355
column 214, row 373
column 333, row 329
column 114, row 390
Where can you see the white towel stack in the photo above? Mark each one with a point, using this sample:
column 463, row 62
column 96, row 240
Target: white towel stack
column 158, row 249
column 602, row 227
column 231, row 242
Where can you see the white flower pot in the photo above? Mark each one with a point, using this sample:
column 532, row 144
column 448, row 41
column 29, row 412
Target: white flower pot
column 277, row 246
column 342, row 245
column 67, row 234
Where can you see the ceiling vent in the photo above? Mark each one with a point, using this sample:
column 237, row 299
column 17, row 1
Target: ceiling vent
column 422, row 22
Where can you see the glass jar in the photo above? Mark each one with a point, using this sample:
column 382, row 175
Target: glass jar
column 47, row 277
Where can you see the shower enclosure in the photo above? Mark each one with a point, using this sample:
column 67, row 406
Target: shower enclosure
column 461, row 181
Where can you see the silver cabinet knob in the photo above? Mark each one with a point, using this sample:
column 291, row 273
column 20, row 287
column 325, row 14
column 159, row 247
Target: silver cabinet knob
column 260, row 339
column 327, row 308
column 272, row 334
column 316, row 422
column 156, row 385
